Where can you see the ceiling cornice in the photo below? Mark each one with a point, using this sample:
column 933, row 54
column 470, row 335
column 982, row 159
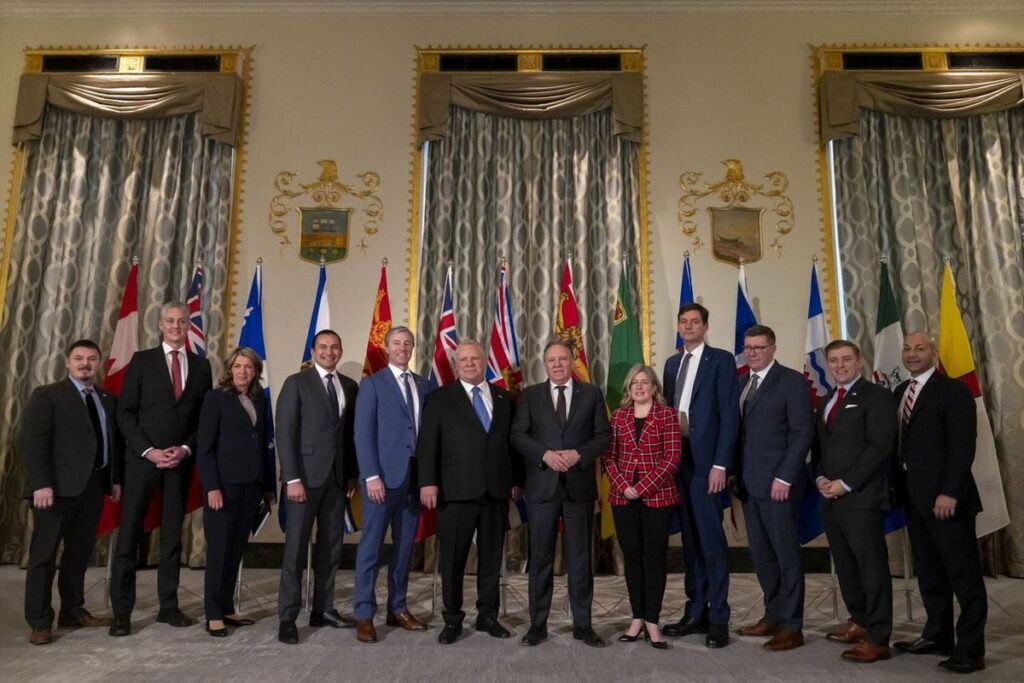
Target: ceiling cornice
column 179, row 8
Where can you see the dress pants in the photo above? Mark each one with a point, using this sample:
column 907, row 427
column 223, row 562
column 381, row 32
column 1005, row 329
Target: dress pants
column 857, row 544
column 705, row 548
column 577, row 531
column 643, row 536
column 775, row 550
column 227, row 533
column 73, row 521
column 324, row 505
column 457, row 522
column 401, row 511
column 946, row 562
column 141, row 478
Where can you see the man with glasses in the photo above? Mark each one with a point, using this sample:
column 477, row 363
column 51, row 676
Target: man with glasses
column 776, row 430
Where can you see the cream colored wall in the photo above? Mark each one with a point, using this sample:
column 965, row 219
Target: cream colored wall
column 341, row 87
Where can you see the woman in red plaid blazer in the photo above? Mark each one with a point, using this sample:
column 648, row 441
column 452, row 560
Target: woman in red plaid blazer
column 641, row 462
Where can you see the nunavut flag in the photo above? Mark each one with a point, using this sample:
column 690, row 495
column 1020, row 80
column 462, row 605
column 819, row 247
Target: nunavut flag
column 957, row 361
column 380, row 325
column 568, row 326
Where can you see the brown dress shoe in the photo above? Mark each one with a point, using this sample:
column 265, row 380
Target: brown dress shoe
column 866, row 653
column 85, row 621
column 365, row 632
column 761, row 629
column 42, row 636
column 849, row 634
column 784, row 640
column 406, row 620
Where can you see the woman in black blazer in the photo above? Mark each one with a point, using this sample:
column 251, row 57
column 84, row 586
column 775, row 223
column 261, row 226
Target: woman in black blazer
column 236, row 471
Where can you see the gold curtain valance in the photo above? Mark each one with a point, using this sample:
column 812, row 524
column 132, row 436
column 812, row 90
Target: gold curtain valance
column 941, row 94
column 216, row 97
column 533, row 96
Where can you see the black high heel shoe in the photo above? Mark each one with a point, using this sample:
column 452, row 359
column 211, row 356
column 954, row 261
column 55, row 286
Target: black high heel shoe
column 626, row 638
column 656, row 644
column 216, row 632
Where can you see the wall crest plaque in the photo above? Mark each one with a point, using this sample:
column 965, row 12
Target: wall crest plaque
column 737, row 234
column 333, row 212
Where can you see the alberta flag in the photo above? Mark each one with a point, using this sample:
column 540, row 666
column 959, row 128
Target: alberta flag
column 442, row 367
column 503, row 358
column 809, row 525
column 745, row 319
column 685, row 293
column 251, row 336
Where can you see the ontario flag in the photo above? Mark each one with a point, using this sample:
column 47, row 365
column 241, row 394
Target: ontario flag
column 745, row 319
column 124, row 346
column 568, row 327
column 957, row 361
column 503, row 358
column 195, row 341
column 809, row 524
column 442, row 367
column 380, row 324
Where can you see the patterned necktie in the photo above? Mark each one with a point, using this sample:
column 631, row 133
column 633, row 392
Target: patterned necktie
column 409, row 400
column 94, row 417
column 332, row 397
column 681, row 380
column 561, row 411
column 176, row 374
column 481, row 409
column 751, row 390
column 835, row 406
column 908, row 402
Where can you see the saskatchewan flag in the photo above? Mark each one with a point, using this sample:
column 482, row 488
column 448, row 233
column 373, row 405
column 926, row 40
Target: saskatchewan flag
column 626, row 352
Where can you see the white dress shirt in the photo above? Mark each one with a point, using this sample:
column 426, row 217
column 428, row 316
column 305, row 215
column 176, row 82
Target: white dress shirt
column 568, row 394
column 485, row 394
column 691, row 375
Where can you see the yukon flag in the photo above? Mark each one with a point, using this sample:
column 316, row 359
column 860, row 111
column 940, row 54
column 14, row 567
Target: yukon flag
column 745, row 319
column 380, row 324
column 568, row 326
column 957, row 361
column 888, row 368
column 685, row 293
column 809, row 524
column 503, row 358
column 124, row 346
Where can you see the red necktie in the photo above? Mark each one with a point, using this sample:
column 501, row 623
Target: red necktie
column 835, row 406
column 176, row 375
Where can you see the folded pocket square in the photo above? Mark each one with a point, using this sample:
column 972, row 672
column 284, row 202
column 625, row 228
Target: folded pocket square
column 851, row 405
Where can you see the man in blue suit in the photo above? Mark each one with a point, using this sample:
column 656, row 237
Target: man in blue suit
column 776, row 431
column 387, row 420
column 701, row 383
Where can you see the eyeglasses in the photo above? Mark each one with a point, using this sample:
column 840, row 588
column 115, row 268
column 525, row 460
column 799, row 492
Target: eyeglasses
column 758, row 349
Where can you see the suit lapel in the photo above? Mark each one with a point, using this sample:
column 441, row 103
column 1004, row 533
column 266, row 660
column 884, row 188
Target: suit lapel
column 396, row 390
column 316, row 385
column 702, row 369
column 162, row 372
column 190, row 379
column 76, row 403
column 852, row 394
column 924, row 397
column 771, row 378
column 577, row 398
column 465, row 404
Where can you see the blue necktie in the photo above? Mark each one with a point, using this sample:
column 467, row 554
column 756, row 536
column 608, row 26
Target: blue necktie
column 409, row 400
column 481, row 409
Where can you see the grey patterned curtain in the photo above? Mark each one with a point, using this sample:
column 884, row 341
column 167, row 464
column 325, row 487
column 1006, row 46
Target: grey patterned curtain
column 916, row 189
column 533, row 192
column 94, row 193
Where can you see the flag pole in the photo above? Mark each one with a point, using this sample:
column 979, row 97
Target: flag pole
column 907, row 590
column 110, row 568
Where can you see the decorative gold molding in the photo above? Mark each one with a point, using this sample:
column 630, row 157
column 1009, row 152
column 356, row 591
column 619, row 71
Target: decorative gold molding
column 235, row 239
column 131, row 64
column 13, row 194
column 530, row 61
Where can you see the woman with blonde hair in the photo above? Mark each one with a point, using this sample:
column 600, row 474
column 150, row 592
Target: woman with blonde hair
column 641, row 461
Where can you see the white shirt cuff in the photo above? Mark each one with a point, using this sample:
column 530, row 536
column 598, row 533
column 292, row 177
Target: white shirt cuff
column 848, row 489
column 371, row 478
column 293, row 481
column 718, row 467
column 782, row 482
column 145, row 452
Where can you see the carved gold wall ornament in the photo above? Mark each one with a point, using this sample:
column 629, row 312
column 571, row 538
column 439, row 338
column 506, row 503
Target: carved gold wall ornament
column 325, row 227
column 736, row 230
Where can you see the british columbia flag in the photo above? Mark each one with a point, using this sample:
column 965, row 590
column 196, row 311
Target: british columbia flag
column 503, row 359
column 195, row 340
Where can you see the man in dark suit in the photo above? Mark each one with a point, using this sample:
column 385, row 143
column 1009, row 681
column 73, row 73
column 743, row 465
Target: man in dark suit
column 701, row 383
column 388, row 414
column 158, row 413
column 72, row 453
column 465, row 471
column 853, row 448
column 316, row 445
column 561, row 429
column 938, row 430
column 776, row 430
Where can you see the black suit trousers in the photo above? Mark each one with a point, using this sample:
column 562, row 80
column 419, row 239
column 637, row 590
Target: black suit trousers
column 857, row 544
column 73, row 521
column 774, row 542
column 457, row 522
column 578, row 530
column 946, row 562
column 141, row 478
column 227, row 533
column 642, row 532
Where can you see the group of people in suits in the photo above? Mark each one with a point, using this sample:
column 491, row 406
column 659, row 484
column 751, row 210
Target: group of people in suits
column 468, row 448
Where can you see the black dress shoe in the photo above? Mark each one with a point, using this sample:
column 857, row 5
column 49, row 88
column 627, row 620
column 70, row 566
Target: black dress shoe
column 331, row 618
column 718, row 636
column 640, row 635
column 685, row 626
column 244, row 621
column 535, row 636
column 287, row 633
column 121, row 626
column 174, row 617
column 588, row 635
column 922, row 646
column 449, row 634
column 491, row 627
column 963, row 665
column 221, row 632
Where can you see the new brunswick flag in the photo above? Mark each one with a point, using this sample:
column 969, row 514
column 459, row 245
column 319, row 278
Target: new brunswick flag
column 376, row 353
column 568, row 326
